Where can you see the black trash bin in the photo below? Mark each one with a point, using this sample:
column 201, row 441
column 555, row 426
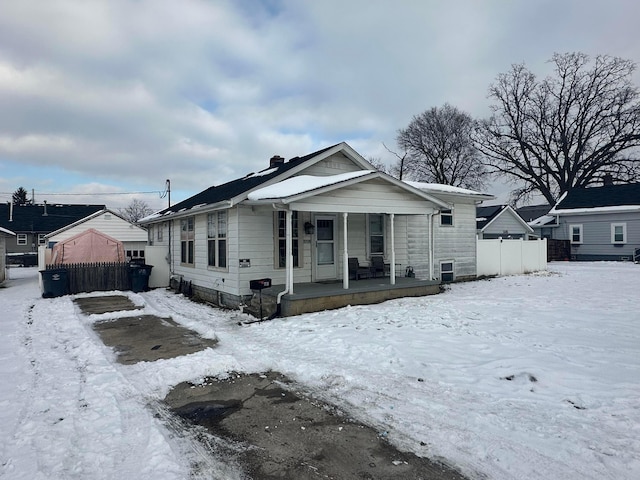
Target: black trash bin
column 139, row 275
column 55, row 282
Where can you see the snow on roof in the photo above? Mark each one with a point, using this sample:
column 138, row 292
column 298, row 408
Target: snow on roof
column 541, row 221
column 262, row 173
column 302, row 183
column 8, row 232
column 439, row 187
column 611, row 209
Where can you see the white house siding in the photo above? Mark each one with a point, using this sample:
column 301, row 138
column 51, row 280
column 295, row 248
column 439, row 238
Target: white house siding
column 458, row 242
column 416, row 244
column 505, row 225
column 3, row 252
column 333, row 165
column 596, row 231
column 109, row 224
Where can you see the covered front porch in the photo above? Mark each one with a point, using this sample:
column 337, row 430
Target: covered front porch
column 318, row 296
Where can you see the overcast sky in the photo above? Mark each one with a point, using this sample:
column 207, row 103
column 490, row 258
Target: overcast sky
column 118, row 96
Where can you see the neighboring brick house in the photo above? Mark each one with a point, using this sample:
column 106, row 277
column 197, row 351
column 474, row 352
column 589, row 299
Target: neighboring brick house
column 31, row 223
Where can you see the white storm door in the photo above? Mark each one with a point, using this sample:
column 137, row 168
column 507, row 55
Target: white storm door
column 325, row 263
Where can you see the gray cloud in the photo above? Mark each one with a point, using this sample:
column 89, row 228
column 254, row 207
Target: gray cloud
column 203, row 92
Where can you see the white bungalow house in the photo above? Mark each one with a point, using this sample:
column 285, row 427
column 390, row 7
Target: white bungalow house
column 300, row 225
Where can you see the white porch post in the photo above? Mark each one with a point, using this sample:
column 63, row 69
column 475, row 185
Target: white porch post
column 345, row 253
column 393, row 251
column 430, row 246
column 289, row 251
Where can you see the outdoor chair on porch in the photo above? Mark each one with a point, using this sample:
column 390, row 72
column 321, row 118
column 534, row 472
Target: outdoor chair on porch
column 356, row 272
column 379, row 267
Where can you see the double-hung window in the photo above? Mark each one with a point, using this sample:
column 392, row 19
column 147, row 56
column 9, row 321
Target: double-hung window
column 159, row 231
column 618, row 233
column 376, row 234
column 575, row 234
column 217, row 239
column 447, row 271
column 281, row 232
column 187, row 240
column 22, row 239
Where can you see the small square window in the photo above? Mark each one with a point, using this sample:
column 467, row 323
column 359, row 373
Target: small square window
column 446, row 217
column 22, row 239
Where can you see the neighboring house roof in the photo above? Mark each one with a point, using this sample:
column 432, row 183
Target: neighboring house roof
column 143, row 232
column 43, row 217
column 486, row 215
column 6, row 232
column 532, row 212
column 605, row 199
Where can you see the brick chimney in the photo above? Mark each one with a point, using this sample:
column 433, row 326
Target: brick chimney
column 276, row 161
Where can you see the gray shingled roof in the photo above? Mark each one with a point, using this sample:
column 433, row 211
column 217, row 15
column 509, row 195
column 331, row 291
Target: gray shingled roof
column 605, row 196
column 32, row 218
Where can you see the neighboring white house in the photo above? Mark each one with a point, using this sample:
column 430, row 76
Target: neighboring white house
column 133, row 237
column 298, row 221
column 4, row 233
column 501, row 221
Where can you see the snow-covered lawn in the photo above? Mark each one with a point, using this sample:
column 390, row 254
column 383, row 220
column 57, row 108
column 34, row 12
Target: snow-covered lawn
column 524, row 377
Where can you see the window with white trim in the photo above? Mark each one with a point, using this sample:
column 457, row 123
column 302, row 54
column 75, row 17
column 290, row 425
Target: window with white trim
column 281, row 232
column 376, row 234
column 447, row 271
column 22, row 239
column 160, row 231
column 446, row 218
column 618, row 233
column 187, row 240
column 575, row 234
column 217, row 239
column 41, row 239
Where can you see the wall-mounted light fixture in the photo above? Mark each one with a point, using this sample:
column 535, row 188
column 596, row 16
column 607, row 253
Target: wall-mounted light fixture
column 309, row 228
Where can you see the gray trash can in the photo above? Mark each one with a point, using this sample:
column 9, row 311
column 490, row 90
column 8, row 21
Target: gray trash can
column 55, row 282
column 139, row 275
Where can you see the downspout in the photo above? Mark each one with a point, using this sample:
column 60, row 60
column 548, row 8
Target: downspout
column 431, row 216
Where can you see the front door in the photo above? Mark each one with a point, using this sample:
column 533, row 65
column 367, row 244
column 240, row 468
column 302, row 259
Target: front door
column 325, row 263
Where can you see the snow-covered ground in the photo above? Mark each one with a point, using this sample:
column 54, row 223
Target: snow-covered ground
column 524, row 377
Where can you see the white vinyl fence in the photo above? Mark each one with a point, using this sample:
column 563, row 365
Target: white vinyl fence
column 511, row 257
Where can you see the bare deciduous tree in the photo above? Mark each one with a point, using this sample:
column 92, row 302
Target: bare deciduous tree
column 136, row 210
column 567, row 131
column 440, row 148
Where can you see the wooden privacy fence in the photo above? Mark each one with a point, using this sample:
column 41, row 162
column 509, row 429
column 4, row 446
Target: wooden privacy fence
column 91, row 277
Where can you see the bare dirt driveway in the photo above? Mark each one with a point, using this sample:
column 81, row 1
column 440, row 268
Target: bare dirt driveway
column 274, row 430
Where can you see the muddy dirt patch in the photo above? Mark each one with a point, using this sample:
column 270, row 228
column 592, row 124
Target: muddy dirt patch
column 147, row 338
column 291, row 436
column 105, row 304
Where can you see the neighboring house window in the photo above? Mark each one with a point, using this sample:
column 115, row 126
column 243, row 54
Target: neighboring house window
column 575, row 233
column 376, row 234
column 446, row 272
column 281, row 227
column 22, row 239
column 217, row 239
column 41, row 239
column 446, row 217
column 133, row 254
column 618, row 233
column 187, row 236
